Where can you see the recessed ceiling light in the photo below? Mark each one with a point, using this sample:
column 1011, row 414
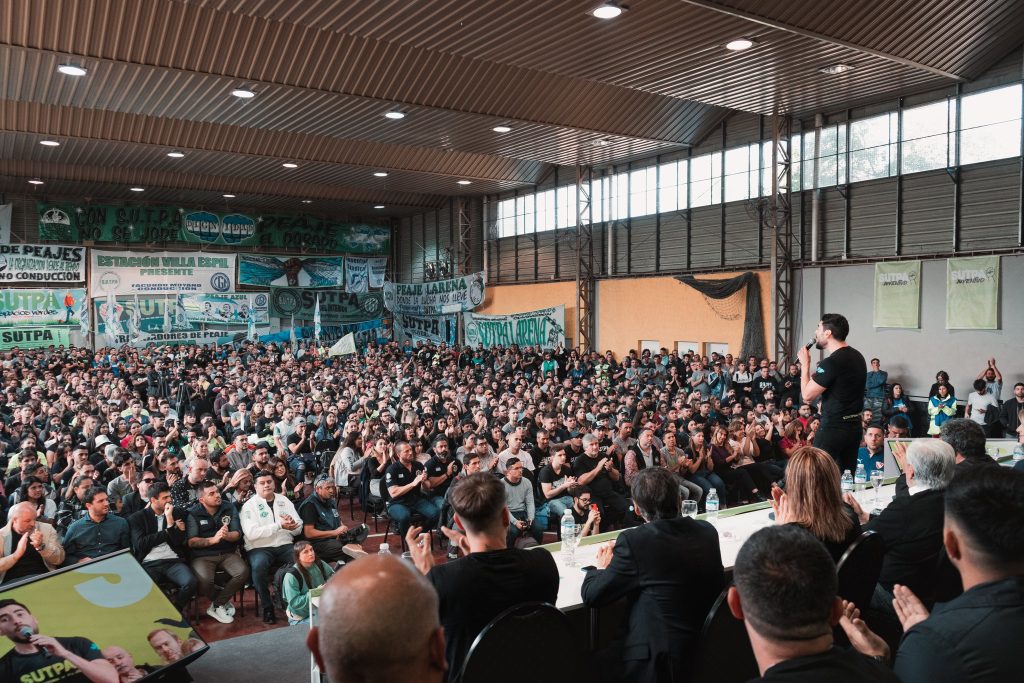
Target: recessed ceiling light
column 243, row 93
column 307, row 201
column 289, row 164
column 72, row 70
column 228, row 196
column 394, row 115
column 35, row 181
column 49, row 143
column 137, row 189
column 381, row 174
column 833, row 69
column 176, row 155
column 608, row 10
column 465, row 182
column 739, row 44
column 502, row 129
column 379, row 206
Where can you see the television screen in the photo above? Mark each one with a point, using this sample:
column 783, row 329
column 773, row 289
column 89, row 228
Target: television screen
column 103, row 620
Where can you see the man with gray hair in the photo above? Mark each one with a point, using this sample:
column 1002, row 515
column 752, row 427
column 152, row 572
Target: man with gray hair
column 358, row 637
column 911, row 525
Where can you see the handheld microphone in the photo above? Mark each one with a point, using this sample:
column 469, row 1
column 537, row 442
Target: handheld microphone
column 811, row 343
column 25, row 632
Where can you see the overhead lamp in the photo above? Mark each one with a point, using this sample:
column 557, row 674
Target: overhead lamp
column 833, row 69
column 502, row 129
column 381, row 174
column 608, row 10
column 289, row 164
column 602, row 142
column 739, row 44
column 137, row 189
column 35, row 181
column 49, row 143
column 72, row 70
column 243, row 93
column 228, row 196
column 307, row 201
column 465, row 182
column 176, row 155
column 394, row 115
column 378, row 206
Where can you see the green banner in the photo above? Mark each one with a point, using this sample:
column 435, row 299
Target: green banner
column 165, row 226
column 34, row 337
column 335, row 305
column 898, row 294
column 40, row 307
column 972, row 293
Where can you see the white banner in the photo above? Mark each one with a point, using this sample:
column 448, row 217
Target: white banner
column 345, row 346
column 435, row 298
column 5, row 223
column 544, row 328
column 41, row 263
column 357, row 275
column 432, row 328
column 378, row 269
column 161, row 272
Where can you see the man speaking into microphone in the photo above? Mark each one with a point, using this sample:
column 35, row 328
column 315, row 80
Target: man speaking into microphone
column 839, row 381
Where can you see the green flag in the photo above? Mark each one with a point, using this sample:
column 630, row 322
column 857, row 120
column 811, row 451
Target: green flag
column 898, row 294
column 972, row 293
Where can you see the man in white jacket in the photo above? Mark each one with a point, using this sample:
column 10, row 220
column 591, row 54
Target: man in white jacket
column 269, row 525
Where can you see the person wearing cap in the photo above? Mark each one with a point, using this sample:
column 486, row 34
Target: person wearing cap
column 321, row 524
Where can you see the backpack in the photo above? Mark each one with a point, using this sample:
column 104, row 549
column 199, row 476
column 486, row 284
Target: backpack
column 277, row 595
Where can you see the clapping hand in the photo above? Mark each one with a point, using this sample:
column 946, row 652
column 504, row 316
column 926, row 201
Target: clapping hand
column 863, row 639
column 419, row 548
column 780, row 504
column 604, row 555
column 36, row 538
column 910, row 610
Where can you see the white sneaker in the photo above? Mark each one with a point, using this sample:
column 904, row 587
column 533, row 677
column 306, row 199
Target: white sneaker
column 220, row 614
column 229, row 607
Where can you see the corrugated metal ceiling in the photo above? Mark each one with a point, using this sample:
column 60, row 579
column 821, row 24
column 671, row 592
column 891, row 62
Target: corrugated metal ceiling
column 651, row 82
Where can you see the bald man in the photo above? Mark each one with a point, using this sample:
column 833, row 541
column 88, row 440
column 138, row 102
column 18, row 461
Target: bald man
column 378, row 623
column 124, row 664
column 28, row 547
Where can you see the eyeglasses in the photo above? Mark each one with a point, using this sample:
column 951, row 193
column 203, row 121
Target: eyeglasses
column 149, row 481
column 585, row 501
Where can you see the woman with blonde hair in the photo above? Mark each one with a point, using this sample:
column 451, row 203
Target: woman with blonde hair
column 813, row 499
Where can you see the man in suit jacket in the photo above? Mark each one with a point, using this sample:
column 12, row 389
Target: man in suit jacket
column 670, row 569
column 27, row 547
column 159, row 542
column 911, row 525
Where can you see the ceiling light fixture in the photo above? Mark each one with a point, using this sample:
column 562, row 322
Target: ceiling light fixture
column 381, row 174
column 394, row 115
column 379, row 206
column 35, row 181
column 465, row 182
column 502, row 129
column 833, row 69
column 289, row 164
column 228, row 196
column 243, row 93
column 72, row 70
column 176, row 155
column 49, row 143
column 137, row 189
column 307, row 201
column 609, row 10
column 602, row 142
column 739, row 44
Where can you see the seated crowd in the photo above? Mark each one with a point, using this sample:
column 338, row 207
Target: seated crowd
column 218, row 467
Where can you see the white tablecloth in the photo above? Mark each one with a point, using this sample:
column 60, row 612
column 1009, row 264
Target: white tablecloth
column 733, row 531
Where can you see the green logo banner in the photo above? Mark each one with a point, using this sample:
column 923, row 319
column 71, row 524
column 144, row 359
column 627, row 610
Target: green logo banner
column 40, row 307
column 165, row 226
column 972, row 293
column 335, row 305
column 34, row 337
column 898, row 294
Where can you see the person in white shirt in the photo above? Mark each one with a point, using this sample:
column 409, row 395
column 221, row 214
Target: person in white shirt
column 980, row 402
column 270, row 524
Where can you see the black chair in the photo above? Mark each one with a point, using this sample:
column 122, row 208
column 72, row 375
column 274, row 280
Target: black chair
column 723, row 652
column 859, row 568
column 489, row 659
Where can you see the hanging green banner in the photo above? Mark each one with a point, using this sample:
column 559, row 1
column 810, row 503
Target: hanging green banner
column 898, row 294
column 34, row 338
column 335, row 305
column 972, row 293
column 174, row 226
column 40, row 307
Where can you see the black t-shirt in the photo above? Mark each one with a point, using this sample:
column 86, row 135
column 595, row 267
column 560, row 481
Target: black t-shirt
column 837, row 665
column 435, row 468
column 41, row 666
column 476, row 588
column 30, row 564
column 547, row 475
column 397, row 475
column 602, row 483
column 843, row 375
column 303, row 441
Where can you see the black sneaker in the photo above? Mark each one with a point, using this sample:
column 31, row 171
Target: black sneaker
column 359, row 534
column 269, row 617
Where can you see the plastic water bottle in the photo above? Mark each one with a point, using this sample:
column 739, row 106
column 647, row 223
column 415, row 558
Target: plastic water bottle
column 847, row 482
column 860, row 477
column 384, row 549
column 711, row 506
column 568, row 526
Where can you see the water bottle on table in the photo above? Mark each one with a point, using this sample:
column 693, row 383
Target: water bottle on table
column 860, row 477
column 711, row 506
column 847, row 482
column 384, row 549
column 568, row 528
